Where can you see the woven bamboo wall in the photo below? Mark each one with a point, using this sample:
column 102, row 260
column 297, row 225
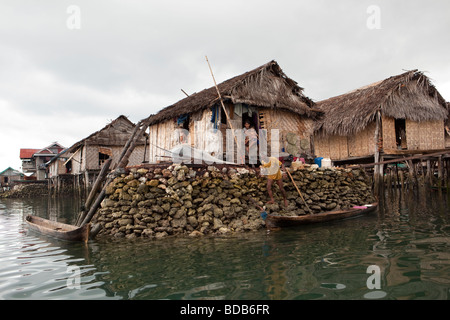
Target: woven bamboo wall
column 287, row 122
column 427, row 135
column 362, row 143
column 335, row 147
column 388, row 129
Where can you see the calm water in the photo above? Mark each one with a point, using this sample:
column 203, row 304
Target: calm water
column 408, row 239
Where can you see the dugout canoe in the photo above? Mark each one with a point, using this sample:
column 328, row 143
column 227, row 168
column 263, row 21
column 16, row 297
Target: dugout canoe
column 58, row 230
column 274, row 222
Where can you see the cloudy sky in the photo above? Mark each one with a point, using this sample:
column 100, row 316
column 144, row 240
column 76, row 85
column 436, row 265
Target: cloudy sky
column 67, row 68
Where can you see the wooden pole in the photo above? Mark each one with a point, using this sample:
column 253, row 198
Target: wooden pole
column 377, row 174
column 301, row 196
column 128, row 143
column 402, row 180
column 429, row 173
column 221, row 102
column 128, row 149
column 440, row 171
column 94, row 190
column 396, row 172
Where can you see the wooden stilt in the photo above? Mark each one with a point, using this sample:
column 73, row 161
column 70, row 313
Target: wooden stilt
column 396, row 172
column 402, row 180
column 440, row 172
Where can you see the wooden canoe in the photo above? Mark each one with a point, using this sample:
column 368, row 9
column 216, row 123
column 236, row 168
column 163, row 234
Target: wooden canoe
column 274, row 222
column 58, row 230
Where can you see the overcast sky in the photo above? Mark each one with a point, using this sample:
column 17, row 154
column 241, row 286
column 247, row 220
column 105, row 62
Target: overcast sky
column 67, row 68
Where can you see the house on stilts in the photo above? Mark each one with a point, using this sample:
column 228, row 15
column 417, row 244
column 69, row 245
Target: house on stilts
column 403, row 115
column 273, row 103
column 447, row 128
column 82, row 162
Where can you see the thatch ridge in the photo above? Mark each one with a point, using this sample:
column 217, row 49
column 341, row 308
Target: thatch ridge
column 265, row 86
column 76, row 145
column 410, row 95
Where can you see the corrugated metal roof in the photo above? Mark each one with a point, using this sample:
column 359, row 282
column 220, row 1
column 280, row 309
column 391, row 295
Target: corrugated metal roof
column 27, row 153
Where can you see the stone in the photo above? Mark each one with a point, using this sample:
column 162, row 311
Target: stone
column 156, row 202
column 195, row 233
column 124, row 222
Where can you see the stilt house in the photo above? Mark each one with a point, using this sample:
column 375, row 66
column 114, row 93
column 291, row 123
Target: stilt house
column 264, row 96
column 28, row 162
column 402, row 114
column 43, row 156
column 86, row 157
column 447, row 128
column 8, row 178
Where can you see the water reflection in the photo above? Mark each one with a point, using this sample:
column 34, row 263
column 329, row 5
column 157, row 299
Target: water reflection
column 408, row 239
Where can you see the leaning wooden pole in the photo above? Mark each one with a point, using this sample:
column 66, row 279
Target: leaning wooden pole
column 130, row 140
column 94, row 190
column 123, row 161
column 298, row 190
column 221, row 102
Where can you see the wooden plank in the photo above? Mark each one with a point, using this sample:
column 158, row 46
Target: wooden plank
column 421, row 156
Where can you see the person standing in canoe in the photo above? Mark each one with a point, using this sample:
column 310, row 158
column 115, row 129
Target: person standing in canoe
column 271, row 169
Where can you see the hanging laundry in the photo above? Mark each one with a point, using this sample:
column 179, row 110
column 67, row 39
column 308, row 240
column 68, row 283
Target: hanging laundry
column 181, row 119
column 238, row 109
column 215, row 116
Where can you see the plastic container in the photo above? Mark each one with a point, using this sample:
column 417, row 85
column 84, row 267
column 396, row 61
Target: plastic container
column 318, row 161
column 326, row 163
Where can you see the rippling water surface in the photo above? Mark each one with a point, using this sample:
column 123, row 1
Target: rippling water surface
column 407, row 240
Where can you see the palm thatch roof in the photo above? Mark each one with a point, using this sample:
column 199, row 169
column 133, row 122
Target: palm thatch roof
column 265, row 86
column 115, row 133
column 448, row 110
column 410, row 95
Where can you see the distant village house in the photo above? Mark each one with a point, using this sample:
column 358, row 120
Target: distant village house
column 8, row 178
column 33, row 160
column 85, row 158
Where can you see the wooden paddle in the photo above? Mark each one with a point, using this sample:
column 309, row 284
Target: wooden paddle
column 295, row 185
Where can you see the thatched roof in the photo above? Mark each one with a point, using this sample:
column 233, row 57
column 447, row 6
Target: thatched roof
column 410, row 95
column 266, row 86
column 116, row 133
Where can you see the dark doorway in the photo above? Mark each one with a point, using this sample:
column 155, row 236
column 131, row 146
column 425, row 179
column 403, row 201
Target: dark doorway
column 400, row 133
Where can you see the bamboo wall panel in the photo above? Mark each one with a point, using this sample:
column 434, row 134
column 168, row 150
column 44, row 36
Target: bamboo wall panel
column 427, row 135
column 322, row 146
column 287, row 122
column 412, row 135
column 362, row 143
column 91, row 157
column 388, row 129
